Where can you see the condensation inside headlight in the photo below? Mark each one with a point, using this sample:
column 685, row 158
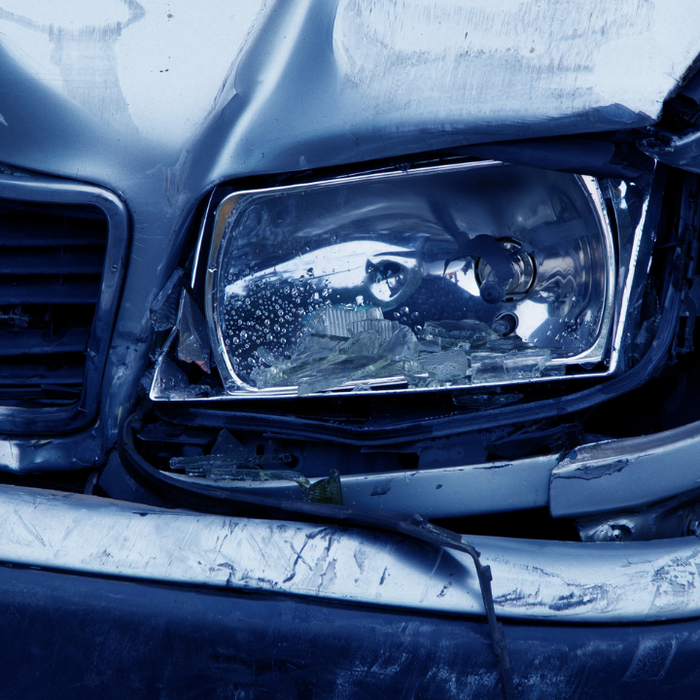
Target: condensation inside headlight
column 480, row 273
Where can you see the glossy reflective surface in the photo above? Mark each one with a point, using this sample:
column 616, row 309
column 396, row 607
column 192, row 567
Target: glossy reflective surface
column 469, row 274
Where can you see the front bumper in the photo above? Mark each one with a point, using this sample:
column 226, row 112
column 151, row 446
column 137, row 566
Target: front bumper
column 565, row 582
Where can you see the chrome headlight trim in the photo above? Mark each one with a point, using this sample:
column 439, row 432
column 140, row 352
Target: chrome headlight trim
column 604, row 353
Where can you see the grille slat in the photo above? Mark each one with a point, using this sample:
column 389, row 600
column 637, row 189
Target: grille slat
column 42, row 343
column 51, row 262
column 21, row 375
column 47, row 291
column 27, row 227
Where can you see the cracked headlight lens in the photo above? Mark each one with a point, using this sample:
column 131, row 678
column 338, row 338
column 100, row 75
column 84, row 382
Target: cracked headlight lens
column 447, row 276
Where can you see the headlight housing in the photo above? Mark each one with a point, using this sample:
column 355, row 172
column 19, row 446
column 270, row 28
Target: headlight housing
column 440, row 277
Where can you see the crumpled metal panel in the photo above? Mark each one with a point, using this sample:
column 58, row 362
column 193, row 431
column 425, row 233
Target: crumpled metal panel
column 585, row 582
column 626, row 474
column 265, row 86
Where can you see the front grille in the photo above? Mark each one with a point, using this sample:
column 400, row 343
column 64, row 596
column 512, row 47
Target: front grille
column 51, row 262
column 63, row 247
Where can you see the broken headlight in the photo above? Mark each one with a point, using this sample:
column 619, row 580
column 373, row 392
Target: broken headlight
column 449, row 276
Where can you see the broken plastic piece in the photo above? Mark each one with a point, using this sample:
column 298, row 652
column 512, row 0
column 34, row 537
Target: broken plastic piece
column 226, row 444
column 193, row 344
column 328, row 490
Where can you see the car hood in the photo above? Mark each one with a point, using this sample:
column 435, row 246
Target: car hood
column 184, row 97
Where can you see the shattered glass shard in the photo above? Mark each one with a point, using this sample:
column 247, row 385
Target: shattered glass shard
column 402, row 345
column 340, row 346
column 171, row 379
column 511, row 343
column 336, row 346
column 268, row 357
column 334, row 374
column 335, row 322
column 227, row 466
column 447, row 366
column 365, row 343
column 487, row 367
column 525, row 364
column 464, row 334
column 383, row 328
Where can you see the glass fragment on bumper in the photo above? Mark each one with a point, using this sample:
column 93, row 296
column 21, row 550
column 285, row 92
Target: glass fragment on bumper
column 481, row 273
column 237, row 471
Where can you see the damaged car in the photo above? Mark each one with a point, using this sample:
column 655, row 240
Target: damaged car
column 349, row 349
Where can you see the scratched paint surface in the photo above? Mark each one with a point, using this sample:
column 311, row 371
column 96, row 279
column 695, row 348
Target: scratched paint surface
column 144, row 69
column 565, row 581
column 514, row 59
column 620, row 474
